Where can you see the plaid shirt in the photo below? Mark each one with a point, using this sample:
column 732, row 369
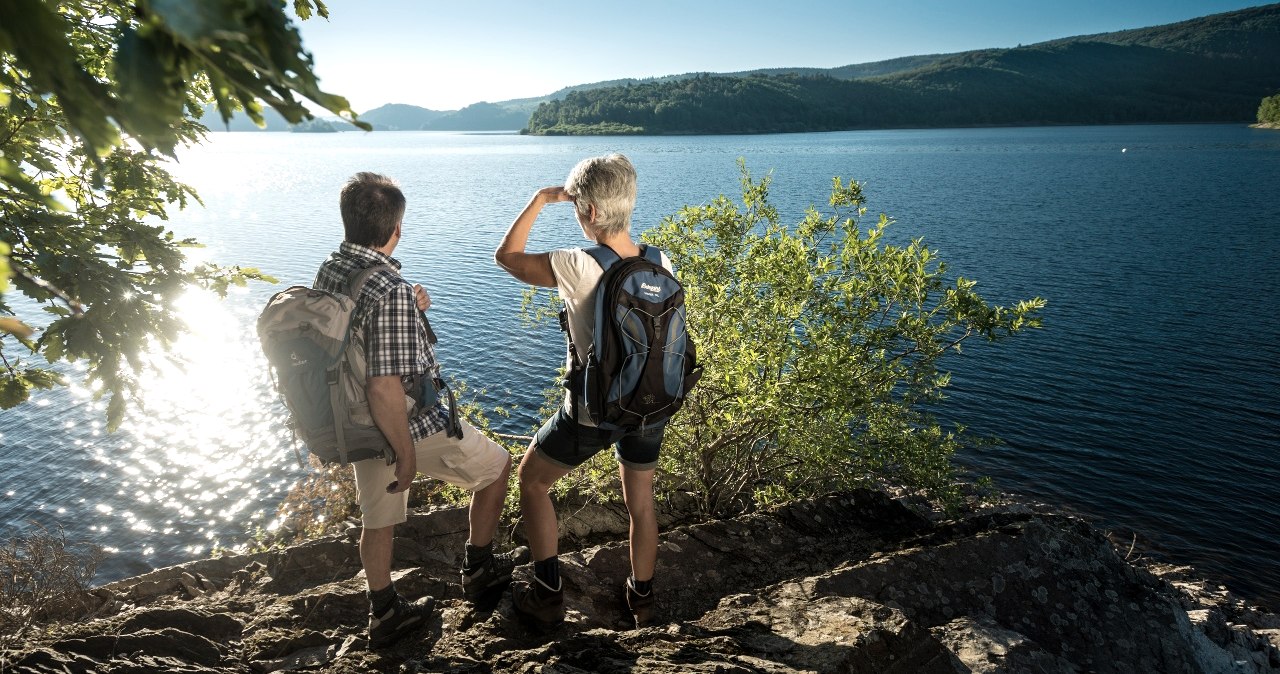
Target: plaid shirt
column 387, row 313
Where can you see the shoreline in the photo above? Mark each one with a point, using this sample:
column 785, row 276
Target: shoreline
column 1044, row 125
column 1008, row 583
column 1136, row 541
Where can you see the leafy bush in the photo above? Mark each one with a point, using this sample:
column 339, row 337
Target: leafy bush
column 1269, row 111
column 597, row 129
column 821, row 345
column 44, row 578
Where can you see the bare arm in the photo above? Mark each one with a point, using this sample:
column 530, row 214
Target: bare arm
column 532, row 268
column 386, row 404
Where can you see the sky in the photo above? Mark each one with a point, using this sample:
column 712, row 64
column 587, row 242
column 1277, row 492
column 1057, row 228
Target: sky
column 446, row 55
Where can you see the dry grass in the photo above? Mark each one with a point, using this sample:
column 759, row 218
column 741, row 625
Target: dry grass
column 44, row 578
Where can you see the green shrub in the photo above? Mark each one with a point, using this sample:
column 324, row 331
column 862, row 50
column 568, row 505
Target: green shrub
column 1269, row 111
column 821, row 344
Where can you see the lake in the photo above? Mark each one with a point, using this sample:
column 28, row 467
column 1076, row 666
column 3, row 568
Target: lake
column 1150, row 401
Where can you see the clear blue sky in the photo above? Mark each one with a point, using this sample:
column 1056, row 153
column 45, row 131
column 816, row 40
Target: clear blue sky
column 445, row 55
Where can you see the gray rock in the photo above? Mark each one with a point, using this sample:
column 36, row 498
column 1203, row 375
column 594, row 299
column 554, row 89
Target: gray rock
column 846, row 583
column 987, row 648
column 306, row 658
column 218, row 627
column 312, row 563
column 788, row 626
column 166, row 642
column 47, row 661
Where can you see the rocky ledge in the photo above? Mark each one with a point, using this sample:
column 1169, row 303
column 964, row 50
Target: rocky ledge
column 855, row 582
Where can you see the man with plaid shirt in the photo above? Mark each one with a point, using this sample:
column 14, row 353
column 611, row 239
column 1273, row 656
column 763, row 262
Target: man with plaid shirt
column 399, row 353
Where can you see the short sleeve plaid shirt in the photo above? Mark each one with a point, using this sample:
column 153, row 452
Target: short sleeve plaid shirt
column 395, row 339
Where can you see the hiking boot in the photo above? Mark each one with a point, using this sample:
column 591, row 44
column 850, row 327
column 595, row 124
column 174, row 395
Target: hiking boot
column 493, row 575
column 403, row 617
column 640, row 605
column 539, row 604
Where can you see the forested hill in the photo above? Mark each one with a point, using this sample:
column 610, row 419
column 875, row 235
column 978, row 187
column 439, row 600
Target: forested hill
column 1211, row 69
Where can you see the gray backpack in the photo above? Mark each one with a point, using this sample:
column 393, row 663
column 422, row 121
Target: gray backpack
column 318, row 363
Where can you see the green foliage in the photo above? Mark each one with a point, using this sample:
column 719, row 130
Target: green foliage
column 599, row 128
column 5, row 270
column 538, row 305
column 43, row 578
column 821, row 344
column 1269, row 111
column 1207, row 70
column 93, row 94
column 132, row 67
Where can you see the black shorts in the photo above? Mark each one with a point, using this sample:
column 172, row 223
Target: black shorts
column 568, row 444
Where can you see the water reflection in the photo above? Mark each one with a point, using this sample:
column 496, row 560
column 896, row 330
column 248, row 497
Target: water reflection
column 197, row 463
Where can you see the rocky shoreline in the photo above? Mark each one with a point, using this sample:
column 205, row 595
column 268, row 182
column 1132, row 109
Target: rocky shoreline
column 855, row 582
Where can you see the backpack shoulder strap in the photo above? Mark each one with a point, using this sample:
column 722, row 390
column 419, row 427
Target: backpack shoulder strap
column 359, row 278
column 651, row 253
column 604, row 256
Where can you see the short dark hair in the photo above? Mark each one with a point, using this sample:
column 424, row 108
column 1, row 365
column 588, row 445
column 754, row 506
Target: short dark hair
column 372, row 206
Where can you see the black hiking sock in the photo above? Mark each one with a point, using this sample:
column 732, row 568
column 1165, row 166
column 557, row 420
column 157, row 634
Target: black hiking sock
column 641, row 587
column 476, row 555
column 548, row 571
column 381, row 600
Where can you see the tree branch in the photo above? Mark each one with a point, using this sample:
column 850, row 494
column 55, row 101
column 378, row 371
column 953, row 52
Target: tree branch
column 72, row 303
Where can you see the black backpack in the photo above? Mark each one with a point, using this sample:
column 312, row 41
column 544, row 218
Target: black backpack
column 641, row 363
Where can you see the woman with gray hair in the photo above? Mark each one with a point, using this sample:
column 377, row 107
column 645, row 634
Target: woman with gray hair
column 603, row 192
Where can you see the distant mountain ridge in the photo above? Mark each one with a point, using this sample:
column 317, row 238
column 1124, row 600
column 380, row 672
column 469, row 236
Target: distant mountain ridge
column 400, row 117
column 1213, row 68
column 1210, row 69
column 513, row 115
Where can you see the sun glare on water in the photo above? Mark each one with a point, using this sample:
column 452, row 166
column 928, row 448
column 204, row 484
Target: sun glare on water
column 202, row 448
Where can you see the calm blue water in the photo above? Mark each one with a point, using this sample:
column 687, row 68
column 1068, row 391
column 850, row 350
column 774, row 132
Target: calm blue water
column 1150, row 401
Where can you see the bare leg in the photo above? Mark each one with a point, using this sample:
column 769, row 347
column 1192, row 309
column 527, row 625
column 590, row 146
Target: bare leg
column 637, row 493
column 536, row 477
column 486, row 509
column 375, row 556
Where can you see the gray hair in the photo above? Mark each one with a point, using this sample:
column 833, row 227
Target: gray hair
column 372, row 206
column 609, row 184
